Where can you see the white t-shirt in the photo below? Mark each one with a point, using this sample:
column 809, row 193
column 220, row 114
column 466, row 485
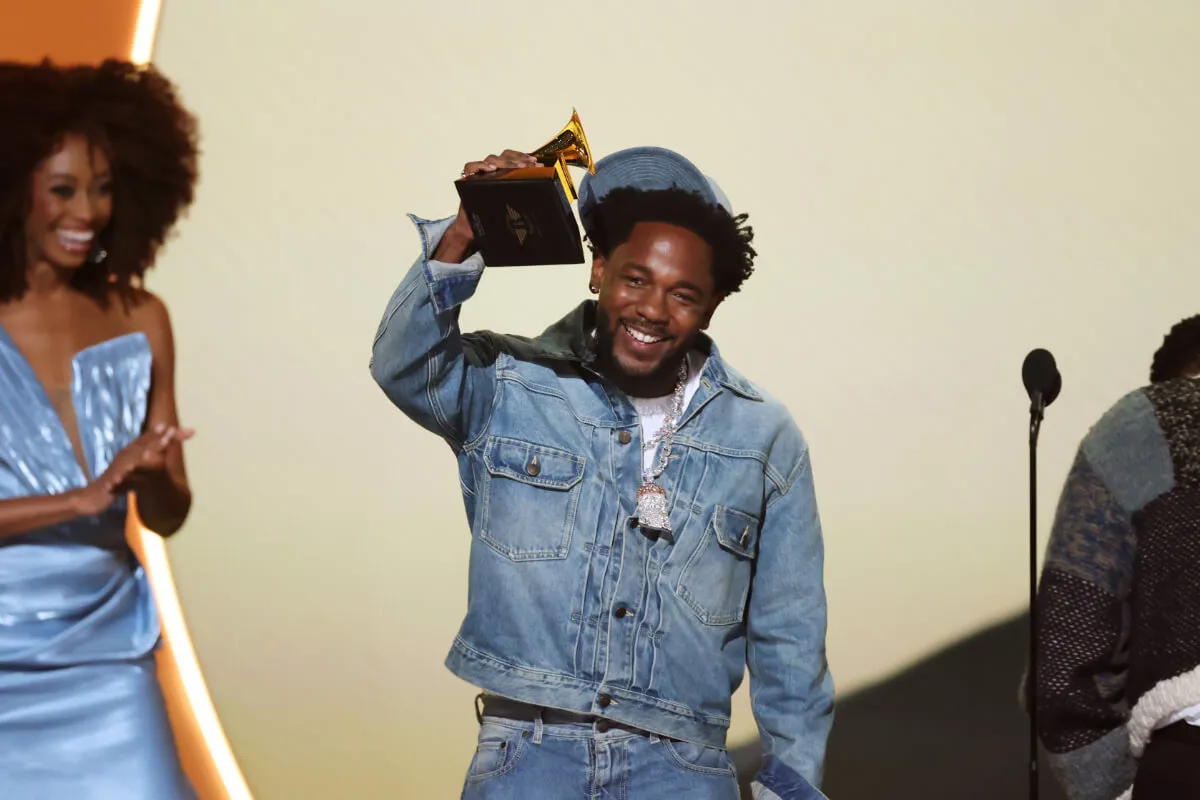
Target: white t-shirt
column 652, row 411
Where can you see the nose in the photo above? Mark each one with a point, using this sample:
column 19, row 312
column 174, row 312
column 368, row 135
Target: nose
column 83, row 208
column 653, row 307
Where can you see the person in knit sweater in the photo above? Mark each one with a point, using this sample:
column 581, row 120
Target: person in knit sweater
column 1118, row 677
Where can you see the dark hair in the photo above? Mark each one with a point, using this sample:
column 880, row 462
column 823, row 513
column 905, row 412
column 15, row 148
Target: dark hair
column 1180, row 351
column 729, row 237
column 133, row 115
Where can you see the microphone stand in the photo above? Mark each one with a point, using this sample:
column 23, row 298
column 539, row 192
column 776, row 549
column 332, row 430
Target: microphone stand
column 1036, row 413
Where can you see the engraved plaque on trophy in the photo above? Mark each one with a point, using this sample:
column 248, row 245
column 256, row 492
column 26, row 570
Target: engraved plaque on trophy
column 522, row 217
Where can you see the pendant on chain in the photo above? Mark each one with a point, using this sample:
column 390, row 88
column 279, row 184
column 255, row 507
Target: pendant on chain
column 652, row 507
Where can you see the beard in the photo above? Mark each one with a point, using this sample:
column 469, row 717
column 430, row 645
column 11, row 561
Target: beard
column 635, row 373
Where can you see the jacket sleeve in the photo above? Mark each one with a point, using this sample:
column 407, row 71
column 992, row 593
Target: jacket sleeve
column 1083, row 614
column 791, row 687
column 441, row 379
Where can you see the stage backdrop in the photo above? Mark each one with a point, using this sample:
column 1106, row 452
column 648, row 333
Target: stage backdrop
column 936, row 190
column 79, row 31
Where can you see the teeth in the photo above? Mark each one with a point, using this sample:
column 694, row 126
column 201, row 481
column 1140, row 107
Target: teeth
column 83, row 237
column 644, row 338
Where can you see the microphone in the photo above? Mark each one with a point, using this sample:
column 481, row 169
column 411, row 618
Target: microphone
column 1042, row 382
column 1041, row 378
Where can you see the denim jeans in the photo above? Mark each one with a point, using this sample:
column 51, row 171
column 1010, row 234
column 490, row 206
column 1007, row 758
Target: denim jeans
column 517, row 760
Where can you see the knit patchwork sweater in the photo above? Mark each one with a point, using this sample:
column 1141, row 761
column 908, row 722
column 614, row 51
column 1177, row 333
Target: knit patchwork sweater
column 1119, row 598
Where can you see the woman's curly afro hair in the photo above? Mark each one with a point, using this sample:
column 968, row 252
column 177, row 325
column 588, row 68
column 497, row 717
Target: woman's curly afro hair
column 133, row 114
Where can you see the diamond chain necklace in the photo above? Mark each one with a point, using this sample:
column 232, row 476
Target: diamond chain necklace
column 652, row 501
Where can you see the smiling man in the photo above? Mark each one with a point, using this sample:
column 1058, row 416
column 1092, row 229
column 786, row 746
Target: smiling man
column 643, row 517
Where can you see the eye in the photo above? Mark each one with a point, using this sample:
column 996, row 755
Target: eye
column 634, row 280
column 65, row 192
column 684, row 297
column 105, row 189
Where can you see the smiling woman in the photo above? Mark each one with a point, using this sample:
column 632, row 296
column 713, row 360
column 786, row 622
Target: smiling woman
column 87, row 32
column 59, row 227
column 96, row 166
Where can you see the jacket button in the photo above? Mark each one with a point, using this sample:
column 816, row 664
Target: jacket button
column 605, row 701
column 602, row 726
column 533, row 469
column 621, row 612
column 624, row 438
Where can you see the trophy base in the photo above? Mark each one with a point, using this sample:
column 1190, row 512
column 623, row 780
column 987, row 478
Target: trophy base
column 521, row 217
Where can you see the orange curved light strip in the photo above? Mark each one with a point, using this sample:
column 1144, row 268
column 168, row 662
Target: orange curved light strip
column 178, row 644
column 145, row 30
column 176, row 638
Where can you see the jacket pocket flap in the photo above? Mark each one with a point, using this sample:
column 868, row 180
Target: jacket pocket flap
column 737, row 531
column 534, row 464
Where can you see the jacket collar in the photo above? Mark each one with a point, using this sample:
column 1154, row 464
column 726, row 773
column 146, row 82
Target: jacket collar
column 570, row 339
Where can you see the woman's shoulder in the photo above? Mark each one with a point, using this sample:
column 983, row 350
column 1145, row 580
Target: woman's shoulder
column 146, row 313
column 145, row 305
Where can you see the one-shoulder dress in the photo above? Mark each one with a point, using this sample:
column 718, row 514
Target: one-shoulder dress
column 82, row 715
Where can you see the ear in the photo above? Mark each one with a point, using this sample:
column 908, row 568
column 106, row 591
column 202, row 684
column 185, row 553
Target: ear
column 596, row 279
column 712, row 309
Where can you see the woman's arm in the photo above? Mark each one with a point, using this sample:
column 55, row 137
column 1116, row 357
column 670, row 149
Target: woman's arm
column 24, row 514
column 163, row 496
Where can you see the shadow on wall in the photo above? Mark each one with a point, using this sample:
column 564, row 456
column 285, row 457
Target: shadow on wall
column 948, row 728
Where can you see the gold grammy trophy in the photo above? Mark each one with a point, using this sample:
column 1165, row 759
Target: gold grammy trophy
column 523, row 216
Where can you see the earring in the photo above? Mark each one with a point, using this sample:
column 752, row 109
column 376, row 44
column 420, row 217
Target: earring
column 592, row 288
column 99, row 256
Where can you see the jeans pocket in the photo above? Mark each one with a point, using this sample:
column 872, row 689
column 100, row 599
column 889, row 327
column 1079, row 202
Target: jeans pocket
column 700, row 758
column 497, row 751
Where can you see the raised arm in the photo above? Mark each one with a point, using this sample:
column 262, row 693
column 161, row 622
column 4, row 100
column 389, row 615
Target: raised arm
column 791, row 687
column 421, row 360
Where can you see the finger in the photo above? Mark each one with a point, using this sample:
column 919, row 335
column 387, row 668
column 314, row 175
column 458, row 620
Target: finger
column 510, row 159
column 152, row 444
column 112, row 479
column 164, row 441
column 519, row 159
column 473, row 167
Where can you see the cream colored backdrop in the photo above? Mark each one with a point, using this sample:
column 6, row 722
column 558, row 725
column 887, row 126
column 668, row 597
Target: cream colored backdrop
column 936, row 188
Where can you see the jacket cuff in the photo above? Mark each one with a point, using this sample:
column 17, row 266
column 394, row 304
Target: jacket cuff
column 777, row 781
column 450, row 285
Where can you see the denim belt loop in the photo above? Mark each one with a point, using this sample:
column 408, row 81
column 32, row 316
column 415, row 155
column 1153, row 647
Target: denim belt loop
column 537, row 730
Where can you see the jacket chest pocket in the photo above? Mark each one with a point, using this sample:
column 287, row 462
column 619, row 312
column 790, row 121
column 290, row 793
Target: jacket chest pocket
column 715, row 580
column 530, row 498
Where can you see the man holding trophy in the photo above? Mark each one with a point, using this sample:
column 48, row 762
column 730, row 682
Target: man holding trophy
column 644, row 522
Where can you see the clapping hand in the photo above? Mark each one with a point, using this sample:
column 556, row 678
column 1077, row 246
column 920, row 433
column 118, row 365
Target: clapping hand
column 142, row 461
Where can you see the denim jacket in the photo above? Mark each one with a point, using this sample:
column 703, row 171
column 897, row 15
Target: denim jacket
column 572, row 606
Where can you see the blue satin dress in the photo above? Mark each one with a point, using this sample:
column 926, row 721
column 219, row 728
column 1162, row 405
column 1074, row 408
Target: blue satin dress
column 82, row 715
